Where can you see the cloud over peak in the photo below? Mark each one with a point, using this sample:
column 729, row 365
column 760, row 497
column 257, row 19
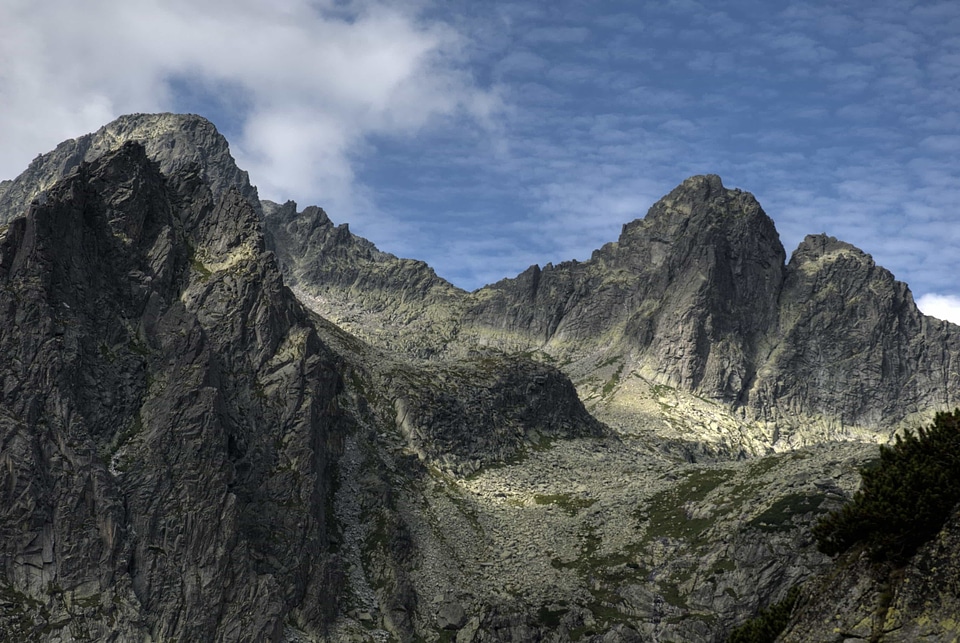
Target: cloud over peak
column 302, row 82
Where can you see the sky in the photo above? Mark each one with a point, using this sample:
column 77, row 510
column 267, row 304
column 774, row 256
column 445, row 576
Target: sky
column 483, row 137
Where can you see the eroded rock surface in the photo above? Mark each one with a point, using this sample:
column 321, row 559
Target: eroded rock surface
column 860, row 600
column 694, row 300
column 169, row 416
column 174, row 141
column 172, row 418
column 187, row 453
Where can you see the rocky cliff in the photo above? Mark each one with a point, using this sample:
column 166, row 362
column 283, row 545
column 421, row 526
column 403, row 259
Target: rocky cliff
column 862, row 601
column 169, row 417
column 696, row 296
column 173, row 141
column 190, row 452
column 398, row 304
column 172, row 419
column 692, row 288
column 695, row 299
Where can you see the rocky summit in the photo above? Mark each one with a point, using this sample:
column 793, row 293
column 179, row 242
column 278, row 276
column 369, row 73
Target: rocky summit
column 228, row 419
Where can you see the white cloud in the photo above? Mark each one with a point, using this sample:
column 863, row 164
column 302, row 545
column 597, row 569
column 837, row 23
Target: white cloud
column 599, row 116
column 945, row 307
column 312, row 79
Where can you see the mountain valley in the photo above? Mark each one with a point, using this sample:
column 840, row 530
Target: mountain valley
column 226, row 419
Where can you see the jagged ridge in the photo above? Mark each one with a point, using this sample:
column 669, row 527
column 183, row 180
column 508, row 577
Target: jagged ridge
column 696, row 296
column 172, row 417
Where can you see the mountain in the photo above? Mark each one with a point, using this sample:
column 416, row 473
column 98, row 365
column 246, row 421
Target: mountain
column 169, row 416
column 226, row 419
column 693, row 306
column 170, row 140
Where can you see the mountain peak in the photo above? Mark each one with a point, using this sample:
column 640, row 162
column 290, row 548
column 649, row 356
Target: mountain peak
column 174, row 141
column 699, row 189
column 702, row 202
column 711, row 183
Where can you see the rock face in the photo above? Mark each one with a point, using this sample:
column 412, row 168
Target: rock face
column 169, row 416
column 486, row 410
column 172, row 418
column 694, row 298
column 693, row 287
column 863, row 601
column 697, row 294
column 404, row 305
column 852, row 345
column 187, row 452
column 174, row 141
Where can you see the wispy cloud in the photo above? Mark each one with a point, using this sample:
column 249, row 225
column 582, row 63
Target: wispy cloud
column 309, row 80
column 483, row 137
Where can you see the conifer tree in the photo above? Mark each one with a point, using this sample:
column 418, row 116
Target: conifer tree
column 905, row 499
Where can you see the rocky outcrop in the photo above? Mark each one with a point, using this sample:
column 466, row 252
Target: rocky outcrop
column 695, row 298
column 484, row 411
column 174, row 141
column 852, row 349
column 691, row 288
column 398, row 304
column 863, row 601
column 187, row 453
column 168, row 417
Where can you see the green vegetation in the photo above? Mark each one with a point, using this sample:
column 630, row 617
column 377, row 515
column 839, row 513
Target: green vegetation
column 197, row 265
column 904, row 500
column 612, row 382
column 664, row 514
column 551, row 618
column 769, row 623
column 570, row 504
column 659, row 390
column 779, row 516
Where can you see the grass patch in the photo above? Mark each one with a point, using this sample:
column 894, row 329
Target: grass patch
column 664, row 514
column 612, row 382
column 722, row 566
column 609, row 362
column 779, row 516
column 550, row 618
column 659, row 390
column 671, row 594
column 197, row 265
column 764, row 465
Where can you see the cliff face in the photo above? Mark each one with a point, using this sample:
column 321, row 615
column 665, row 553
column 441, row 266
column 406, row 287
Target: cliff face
column 858, row 600
column 692, row 289
column 172, row 418
column 851, row 346
column 397, row 304
column 174, row 141
column 695, row 298
column 169, row 416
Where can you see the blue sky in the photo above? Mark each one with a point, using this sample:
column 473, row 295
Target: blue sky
column 483, row 137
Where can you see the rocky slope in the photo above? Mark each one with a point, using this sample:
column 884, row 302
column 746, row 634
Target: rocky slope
column 695, row 300
column 862, row 601
column 398, row 304
column 189, row 453
column 172, row 418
